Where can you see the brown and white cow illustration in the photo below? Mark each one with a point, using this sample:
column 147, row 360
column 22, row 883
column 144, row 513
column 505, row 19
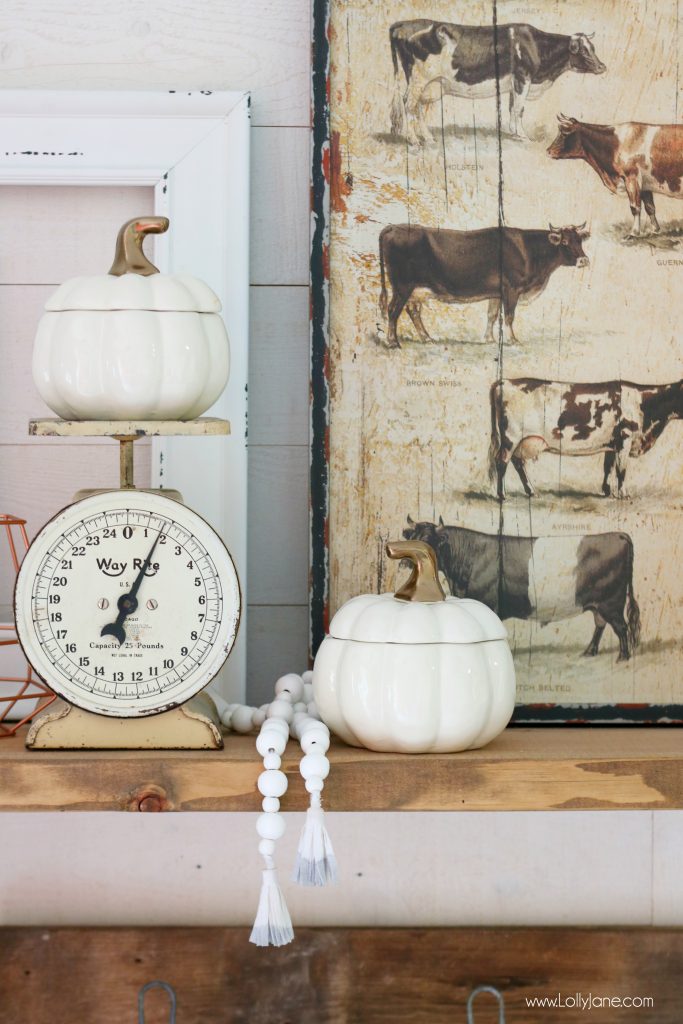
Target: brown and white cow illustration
column 546, row 579
column 511, row 265
column 640, row 158
column 616, row 418
column 439, row 58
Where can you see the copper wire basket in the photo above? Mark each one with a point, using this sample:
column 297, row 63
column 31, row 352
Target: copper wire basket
column 19, row 688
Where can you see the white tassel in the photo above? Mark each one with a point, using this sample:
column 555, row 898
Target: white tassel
column 273, row 925
column 315, row 860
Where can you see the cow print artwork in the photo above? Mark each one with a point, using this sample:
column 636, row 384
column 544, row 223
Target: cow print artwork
column 505, row 362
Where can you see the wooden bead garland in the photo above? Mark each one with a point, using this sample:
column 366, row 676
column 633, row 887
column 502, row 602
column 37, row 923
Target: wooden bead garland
column 291, row 713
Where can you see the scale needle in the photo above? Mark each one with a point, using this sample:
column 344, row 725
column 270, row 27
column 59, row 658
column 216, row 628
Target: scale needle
column 127, row 603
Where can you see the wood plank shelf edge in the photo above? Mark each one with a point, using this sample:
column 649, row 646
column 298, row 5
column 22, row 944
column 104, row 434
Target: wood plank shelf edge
column 532, row 769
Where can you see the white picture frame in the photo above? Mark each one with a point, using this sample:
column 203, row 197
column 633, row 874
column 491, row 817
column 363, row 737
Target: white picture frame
column 192, row 148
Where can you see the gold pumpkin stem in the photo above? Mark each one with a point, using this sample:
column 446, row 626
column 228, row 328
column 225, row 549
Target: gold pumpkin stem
column 423, row 583
column 129, row 257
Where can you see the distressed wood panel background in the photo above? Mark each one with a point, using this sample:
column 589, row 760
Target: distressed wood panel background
column 425, row 159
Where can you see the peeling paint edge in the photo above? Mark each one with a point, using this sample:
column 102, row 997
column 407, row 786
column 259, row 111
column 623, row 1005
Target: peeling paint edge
column 319, row 328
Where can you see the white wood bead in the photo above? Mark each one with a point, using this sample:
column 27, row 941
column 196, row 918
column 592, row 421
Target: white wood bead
column 290, row 687
column 315, row 741
column 313, row 710
column 266, row 847
column 299, row 716
column 307, row 677
column 312, row 724
column 272, row 782
column 314, row 785
column 314, row 766
column 269, row 741
column 270, row 826
column 241, row 720
column 298, row 723
column 298, row 707
column 277, row 725
column 308, row 692
column 273, row 760
column 226, row 716
column 259, row 716
column 320, row 725
column 270, row 804
column 281, row 709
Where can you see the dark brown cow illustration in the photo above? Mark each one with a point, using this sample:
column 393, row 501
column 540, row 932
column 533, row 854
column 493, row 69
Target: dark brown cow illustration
column 542, row 578
column 438, row 59
column 640, row 158
column 616, row 418
column 465, row 266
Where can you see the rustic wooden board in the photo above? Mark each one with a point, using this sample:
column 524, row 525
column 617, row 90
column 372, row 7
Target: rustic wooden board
column 524, row 769
column 337, row 975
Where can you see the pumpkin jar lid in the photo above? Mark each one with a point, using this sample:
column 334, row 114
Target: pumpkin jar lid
column 419, row 612
column 135, row 283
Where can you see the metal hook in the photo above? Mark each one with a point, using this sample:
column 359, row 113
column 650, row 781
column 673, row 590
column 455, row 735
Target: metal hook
column 494, row 992
column 141, row 999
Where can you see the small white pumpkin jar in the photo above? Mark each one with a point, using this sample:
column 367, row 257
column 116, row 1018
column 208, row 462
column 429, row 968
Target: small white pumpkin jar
column 132, row 344
column 416, row 671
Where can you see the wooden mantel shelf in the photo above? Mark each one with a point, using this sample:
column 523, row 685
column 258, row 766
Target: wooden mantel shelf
column 532, row 769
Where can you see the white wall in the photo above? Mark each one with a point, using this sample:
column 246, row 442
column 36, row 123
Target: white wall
column 49, row 234
column 570, row 867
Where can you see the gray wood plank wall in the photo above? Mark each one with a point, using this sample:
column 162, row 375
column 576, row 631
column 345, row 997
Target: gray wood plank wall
column 278, row 408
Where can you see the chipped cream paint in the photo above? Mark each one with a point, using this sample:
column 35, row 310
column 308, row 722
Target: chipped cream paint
column 410, row 427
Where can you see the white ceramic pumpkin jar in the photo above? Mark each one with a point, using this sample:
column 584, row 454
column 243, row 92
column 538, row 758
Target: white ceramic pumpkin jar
column 415, row 671
column 132, row 344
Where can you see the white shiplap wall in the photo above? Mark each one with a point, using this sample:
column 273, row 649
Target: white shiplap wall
column 264, row 47
column 47, row 235
column 564, row 868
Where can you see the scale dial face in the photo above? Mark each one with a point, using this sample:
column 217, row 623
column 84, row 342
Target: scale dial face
column 127, row 603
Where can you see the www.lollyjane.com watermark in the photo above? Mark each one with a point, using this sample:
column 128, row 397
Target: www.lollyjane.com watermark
column 579, row 1001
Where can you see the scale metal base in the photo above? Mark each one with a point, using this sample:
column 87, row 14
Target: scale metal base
column 194, row 725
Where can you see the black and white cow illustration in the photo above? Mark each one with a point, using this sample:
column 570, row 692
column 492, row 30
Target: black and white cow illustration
column 546, row 579
column 616, row 418
column 438, row 58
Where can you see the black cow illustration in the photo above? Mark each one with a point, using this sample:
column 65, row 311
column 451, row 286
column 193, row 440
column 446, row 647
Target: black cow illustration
column 616, row 418
column 465, row 266
column 440, row 59
column 543, row 578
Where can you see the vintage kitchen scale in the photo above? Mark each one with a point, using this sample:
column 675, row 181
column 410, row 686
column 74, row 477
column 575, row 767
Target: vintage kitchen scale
column 127, row 602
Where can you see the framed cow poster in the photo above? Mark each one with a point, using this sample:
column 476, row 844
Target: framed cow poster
column 497, row 274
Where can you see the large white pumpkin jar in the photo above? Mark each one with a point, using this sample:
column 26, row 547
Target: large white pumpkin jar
column 415, row 671
column 133, row 343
